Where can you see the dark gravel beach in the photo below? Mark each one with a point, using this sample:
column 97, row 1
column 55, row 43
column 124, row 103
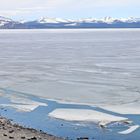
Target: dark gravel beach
column 10, row 131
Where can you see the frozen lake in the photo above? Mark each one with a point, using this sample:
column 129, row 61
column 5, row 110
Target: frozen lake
column 100, row 68
column 96, row 67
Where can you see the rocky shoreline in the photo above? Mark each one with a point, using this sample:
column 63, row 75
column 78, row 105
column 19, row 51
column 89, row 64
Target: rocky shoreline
column 11, row 131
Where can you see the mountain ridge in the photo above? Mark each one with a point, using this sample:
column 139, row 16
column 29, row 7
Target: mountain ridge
column 46, row 22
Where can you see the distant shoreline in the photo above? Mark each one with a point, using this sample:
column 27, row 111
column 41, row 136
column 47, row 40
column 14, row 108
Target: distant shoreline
column 1, row 29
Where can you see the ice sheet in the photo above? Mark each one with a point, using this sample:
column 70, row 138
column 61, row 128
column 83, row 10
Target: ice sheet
column 86, row 115
column 130, row 130
column 132, row 108
column 97, row 67
column 21, row 103
column 22, row 108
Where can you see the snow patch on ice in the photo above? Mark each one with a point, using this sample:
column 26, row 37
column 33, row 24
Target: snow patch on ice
column 22, row 104
column 131, row 108
column 130, row 130
column 22, row 108
column 85, row 115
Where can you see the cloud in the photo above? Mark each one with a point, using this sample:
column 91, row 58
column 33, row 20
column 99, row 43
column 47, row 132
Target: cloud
column 90, row 3
column 10, row 13
column 61, row 7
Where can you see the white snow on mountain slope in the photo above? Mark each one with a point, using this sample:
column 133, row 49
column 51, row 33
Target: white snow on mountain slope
column 130, row 20
column 43, row 20
column 23, row 21
column 108, row 20
column 4, row 21
column 52, row 20
column 71, row 24
column 9, row 23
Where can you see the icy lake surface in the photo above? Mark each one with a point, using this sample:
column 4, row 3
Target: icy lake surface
column 99, row 68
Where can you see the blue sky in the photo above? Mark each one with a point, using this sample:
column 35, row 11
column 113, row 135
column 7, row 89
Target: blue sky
column 74, row 9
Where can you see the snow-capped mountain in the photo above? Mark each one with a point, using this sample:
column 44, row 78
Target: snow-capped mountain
column 46, row 22
column 4, row 19
column 52, row 20
column 6, row 23
column 91, row 22
column 123, row 20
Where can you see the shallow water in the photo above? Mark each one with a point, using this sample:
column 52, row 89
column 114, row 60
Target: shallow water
column 40, row 120
column 97, row 67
